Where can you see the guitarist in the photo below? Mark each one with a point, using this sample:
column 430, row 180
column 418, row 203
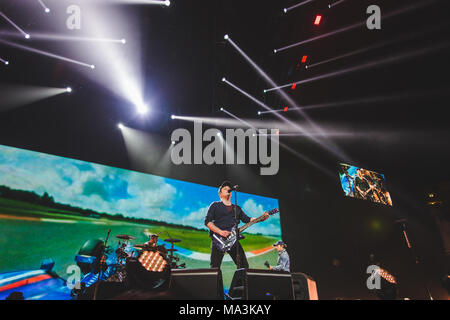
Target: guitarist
column 283, row 263
column 219, row 219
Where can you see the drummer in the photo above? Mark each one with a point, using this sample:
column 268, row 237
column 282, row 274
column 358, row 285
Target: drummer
column 153, row 241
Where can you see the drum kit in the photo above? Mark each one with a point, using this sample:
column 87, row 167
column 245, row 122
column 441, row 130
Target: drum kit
column 126, row 250
column 147, row 265
column 144, row 266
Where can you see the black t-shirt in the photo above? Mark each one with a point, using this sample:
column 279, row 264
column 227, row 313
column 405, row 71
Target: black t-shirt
column 223, row 217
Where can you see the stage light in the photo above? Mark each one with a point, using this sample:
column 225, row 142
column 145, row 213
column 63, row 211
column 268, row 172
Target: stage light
column 285, row 109
column 92, row 66
column 294, row 85
column 226, row 37
column 27, row 36
column 69, row 89
column 123, row 41
column 46, row 9
column 221, row 109
column 318, row 19
column 297, row 5
column 4, row 61
column 219, row 134
column 223, row 79
column 167, row 3
column 259, row 113
column 142, row 109
column 304, row 59
column 7, row 62
column 173, row 142
column 172, row 117
column 120, row 126
column 274, row 50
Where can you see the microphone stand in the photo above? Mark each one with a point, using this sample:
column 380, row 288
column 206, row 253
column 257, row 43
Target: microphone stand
column 402, row 223
column 236, row 219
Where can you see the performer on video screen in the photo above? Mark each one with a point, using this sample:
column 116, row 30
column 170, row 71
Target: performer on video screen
column 219, row 219
column 283, row 263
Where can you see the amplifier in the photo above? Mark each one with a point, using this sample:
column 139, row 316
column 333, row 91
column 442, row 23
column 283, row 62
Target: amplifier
column 196, row 284
column 256, row 284
column 304, row 286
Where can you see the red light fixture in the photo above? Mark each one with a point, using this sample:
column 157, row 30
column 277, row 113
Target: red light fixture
column 285, row 109
column 293, row 86
column 318, row 19
column 304, row 59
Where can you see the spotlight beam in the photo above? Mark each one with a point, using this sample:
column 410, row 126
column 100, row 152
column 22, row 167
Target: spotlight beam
column 60, row 37
column 354, row 26
column 376, row 46
column 326, row 171
column 154, row 2
column 26, row 35
column 246, row 94
column 365, row 66
column 45, row 53
column 237, row 118
column 285, row 146
column 5, row 62
column 296, row 134
column 286, row 10
column 13, row 96
column 331, row 147
column 268, row 79
column 46, row 9
column 378, row 99
column 335, row 3
column 233, row 123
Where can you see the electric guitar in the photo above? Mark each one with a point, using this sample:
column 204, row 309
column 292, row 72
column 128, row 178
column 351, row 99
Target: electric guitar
column 224, row 244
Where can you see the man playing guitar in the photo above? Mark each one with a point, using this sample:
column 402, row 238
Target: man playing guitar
column 219, row 219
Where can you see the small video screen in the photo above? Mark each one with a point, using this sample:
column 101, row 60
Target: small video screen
column 364, row 184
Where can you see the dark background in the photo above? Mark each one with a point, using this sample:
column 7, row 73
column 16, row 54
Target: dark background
column 184, row 57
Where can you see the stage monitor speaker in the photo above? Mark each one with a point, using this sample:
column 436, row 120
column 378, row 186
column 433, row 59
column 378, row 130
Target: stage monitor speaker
column 255, row 284
column 196, row 284
column 304, row 286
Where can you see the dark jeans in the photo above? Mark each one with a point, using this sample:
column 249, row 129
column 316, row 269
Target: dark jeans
column 217, row 256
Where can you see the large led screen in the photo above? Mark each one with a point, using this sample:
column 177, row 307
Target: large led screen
column 364, row 184
column 50, row 206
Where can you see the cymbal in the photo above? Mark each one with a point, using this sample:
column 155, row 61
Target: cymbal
column 171, row 240
column 125, row 237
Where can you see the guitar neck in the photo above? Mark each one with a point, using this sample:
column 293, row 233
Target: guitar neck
column 245, row 226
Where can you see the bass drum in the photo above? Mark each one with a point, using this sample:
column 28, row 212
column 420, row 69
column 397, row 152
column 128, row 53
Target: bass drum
column 149, row 271
column 91, row 248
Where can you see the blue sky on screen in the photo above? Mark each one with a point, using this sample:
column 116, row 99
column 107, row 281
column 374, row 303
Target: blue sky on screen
column 113, row 190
